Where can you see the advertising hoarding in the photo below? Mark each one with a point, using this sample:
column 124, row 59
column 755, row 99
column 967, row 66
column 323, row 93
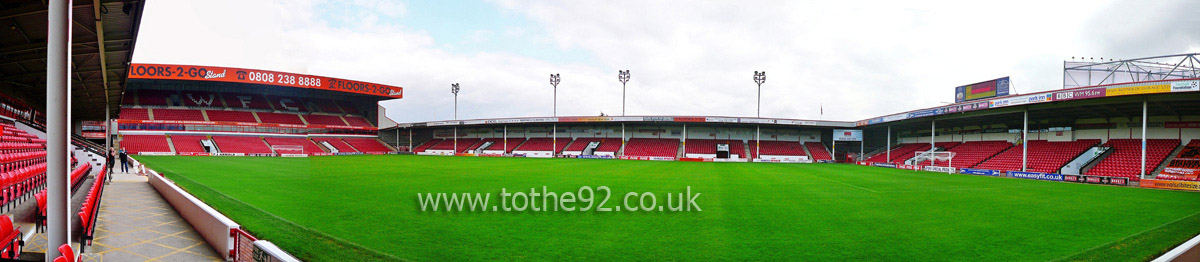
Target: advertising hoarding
column 847, row 135
column 254, row 76
column 986, row 89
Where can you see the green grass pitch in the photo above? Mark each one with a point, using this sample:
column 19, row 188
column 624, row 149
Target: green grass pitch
column 365, row 208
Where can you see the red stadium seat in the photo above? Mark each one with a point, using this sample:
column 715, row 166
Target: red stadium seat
column 135, row 114
column 1126, row 158
column 279, row 118
column 153, row 97
column 201, row 99
column 1044, row 156
column 776, row 148
column 818, row 151
column 358, row 121
column 134, row 144
column 654, row 147
column 337, row 143
column 178, row 114
column 427, row 145
column 370, row 145
column 230, row 116
column 324, row 120
column 241, row 144
column 246, row 101
column 188, row 143
column 308, row 146
column 900, row 153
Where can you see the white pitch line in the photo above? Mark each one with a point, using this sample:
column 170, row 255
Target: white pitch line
column 844, row 183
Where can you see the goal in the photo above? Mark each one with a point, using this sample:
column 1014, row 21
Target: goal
column 288, row 149
column 936, row 158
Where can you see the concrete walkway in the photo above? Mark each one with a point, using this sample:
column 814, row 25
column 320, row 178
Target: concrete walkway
column 136, row 224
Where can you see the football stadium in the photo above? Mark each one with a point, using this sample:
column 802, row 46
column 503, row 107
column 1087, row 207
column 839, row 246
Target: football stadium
column 120, row 160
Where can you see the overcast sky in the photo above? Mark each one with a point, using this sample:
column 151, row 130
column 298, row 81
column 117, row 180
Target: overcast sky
column 686, row 58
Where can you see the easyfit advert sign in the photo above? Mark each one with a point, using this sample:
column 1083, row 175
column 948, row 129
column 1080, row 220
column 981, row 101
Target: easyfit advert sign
column 252, row 76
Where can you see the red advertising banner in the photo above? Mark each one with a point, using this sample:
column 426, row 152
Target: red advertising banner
column 92, row 129
column 253, row 76
column 1182, row 124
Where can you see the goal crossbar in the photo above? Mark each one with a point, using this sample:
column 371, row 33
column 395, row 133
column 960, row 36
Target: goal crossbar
column 945, row 157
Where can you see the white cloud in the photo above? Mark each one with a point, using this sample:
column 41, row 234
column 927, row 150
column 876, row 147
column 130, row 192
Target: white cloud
column 687, row 58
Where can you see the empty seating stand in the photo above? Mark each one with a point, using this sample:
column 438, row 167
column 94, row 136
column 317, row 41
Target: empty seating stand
column 900, row 153
column 153, row 97
column 358, row 121
column 188, row 143
column 287, row 103
column 135, row 114
column 280, row 118
column 367, row 145
column 134, row 144
column 652, row 147
column 1126, row 159
column 969, row 154
column 498, row 144
column 709, row 146
column 776, row 148
column 337, row 143
column 241, row 144
column 246, row 101
column 308, row 147
column 178, row 114
column 1044, row 156
column 324, row 120
column 201, row 99
column 231, row 116
column 547, row 144
column 427, row 145
column 818, row 151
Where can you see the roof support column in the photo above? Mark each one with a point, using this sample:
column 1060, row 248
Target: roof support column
column 554, row 141
column 1025, row 142
column 1144, row 115
column 410, row 145
column 889, row 145
column 757, row 140
column 505, row 141
column 932, row 133
column 455, row 140
column 58, row 125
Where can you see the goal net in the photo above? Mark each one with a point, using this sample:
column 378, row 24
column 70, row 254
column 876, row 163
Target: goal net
column 288, row 149
column 935, row 158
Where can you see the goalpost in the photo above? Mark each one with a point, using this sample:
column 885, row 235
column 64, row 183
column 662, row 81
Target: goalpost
column 289, row 150
column 945, row 157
